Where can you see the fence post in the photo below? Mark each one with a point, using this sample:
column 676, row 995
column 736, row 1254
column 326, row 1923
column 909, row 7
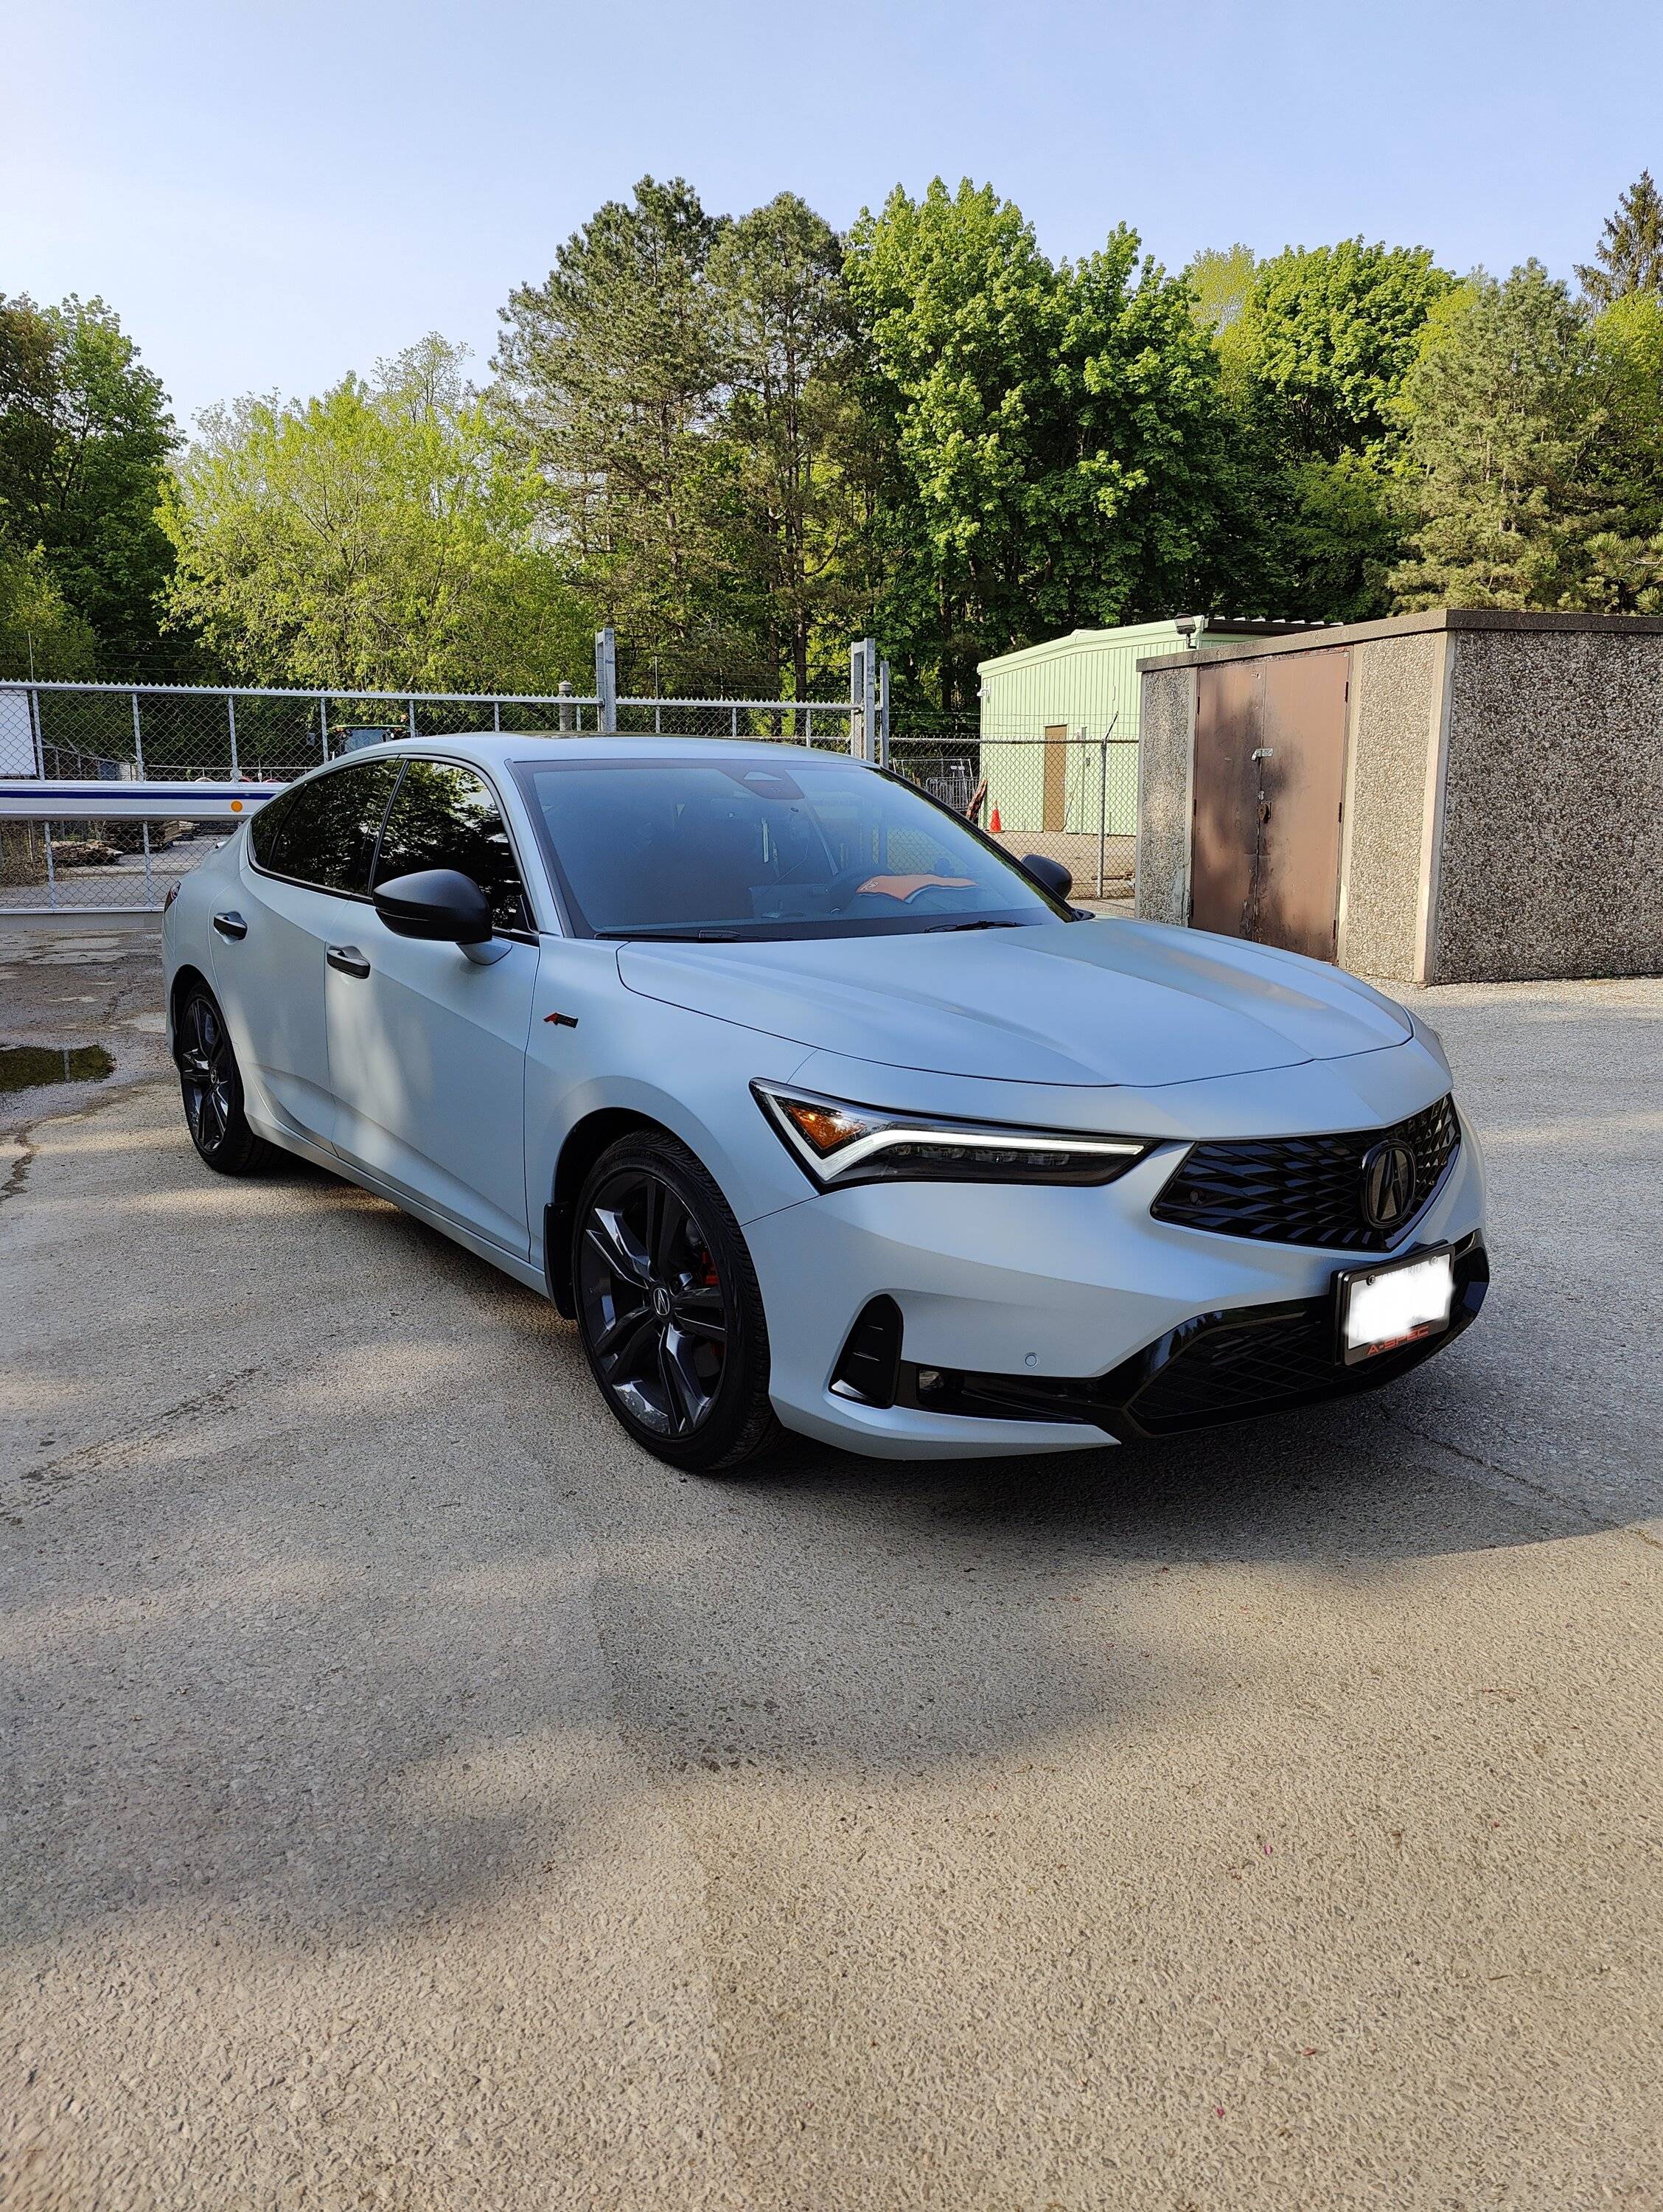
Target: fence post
column 323, row 726
column 149, row 887
column 1102, row 810
column 411, row 703
column 884, row 713
column 35, row 732
column 564, row 714
column 496, row 714
column 138, row 741
column 863, row 699
column 606, row 679
column 231, row 718
column 52, row 871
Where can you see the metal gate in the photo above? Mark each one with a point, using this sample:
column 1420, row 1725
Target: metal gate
column 1270, row 784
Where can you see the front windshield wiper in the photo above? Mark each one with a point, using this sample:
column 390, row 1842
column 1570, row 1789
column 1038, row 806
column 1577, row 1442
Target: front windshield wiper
column 675, row 936
column 941, row 928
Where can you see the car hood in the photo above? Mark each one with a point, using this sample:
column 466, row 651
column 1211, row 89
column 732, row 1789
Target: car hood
column 1098, row 1002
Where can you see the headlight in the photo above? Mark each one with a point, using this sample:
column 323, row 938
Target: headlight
column 838, row 1143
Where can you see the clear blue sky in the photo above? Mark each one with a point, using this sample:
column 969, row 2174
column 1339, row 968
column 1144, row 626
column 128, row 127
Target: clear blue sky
column 271, row 194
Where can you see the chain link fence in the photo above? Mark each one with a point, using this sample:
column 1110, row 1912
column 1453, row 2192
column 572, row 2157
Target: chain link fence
column 1064, row 793
column 1061, row 791
column 107, row 733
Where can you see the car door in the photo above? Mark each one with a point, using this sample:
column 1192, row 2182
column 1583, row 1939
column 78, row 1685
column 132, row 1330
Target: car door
column 427, row 1048
column 303, row 873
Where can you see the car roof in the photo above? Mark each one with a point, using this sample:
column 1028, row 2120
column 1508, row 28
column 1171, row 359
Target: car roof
column 499, row 748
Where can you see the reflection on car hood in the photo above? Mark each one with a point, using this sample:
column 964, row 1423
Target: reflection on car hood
column 1100, row 1002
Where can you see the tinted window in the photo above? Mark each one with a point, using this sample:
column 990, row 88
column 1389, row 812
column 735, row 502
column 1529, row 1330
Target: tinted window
column 658, row 846
column 323, row 833
column 446, row 817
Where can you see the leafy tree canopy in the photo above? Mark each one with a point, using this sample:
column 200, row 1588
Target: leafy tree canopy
column 1055, row 434
column 1330, row 334
column 41, row 635
column 85, row 437
column 378, row 537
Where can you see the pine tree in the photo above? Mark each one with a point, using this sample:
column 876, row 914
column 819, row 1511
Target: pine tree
column 1527, row 494
column 611, row 373
column 1629, row 255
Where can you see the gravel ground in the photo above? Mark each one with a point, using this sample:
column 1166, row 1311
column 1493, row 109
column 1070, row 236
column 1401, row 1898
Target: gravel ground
column 415, row 1797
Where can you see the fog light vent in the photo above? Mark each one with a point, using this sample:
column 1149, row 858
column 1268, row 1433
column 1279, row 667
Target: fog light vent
column 867, row 1366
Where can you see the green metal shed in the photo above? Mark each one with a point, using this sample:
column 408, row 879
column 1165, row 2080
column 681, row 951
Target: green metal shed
column 1047, row 710
column 1044, row 712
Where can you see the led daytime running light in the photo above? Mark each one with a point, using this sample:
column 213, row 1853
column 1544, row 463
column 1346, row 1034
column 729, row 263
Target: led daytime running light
column 839, row 1142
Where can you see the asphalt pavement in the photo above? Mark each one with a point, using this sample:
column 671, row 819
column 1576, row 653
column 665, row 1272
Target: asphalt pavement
column 414, row 1797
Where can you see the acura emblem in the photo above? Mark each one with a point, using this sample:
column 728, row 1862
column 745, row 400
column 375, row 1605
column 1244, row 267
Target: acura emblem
column 1388, row 1184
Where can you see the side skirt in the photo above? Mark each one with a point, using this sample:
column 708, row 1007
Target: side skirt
column 511, row 1263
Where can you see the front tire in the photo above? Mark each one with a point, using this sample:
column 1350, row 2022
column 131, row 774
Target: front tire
column 669, row 1308
column 212, row 1090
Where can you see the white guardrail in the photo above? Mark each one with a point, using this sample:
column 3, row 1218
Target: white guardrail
column 32, row 799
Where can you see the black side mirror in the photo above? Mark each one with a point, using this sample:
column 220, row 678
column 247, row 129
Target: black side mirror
column 441, row 905
column 1050, row 875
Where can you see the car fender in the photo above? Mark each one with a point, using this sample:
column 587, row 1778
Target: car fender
column 596, row 1048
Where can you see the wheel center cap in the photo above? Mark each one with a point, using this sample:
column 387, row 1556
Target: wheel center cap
column 661, row 1302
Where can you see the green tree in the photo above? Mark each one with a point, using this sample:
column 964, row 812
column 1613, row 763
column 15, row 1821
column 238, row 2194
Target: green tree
column 379, row 538
column 1052, row 438
column 1629, row 255
column 611, row 374
column 1222, row 280
column 1331, row 333
column 1522, row 499
column 791, row 421
column 85, row 437
column 41, row 635
column 1314, row 366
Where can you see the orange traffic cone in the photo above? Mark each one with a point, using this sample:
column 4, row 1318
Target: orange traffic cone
column 995, row 826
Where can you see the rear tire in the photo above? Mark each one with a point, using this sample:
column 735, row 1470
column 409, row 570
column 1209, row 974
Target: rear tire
column 669, row 1308
column 212, row 1090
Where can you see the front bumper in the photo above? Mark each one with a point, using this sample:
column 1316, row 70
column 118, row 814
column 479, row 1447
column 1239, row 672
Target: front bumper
column 1037, row 1320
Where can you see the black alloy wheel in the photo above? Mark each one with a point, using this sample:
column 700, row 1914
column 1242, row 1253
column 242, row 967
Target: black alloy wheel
column 212, row 1090
column 669, row 1308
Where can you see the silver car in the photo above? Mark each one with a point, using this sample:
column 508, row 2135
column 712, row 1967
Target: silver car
column 815, row 1109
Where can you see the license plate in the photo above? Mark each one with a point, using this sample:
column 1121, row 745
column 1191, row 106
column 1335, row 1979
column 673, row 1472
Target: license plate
column 1384, row 1308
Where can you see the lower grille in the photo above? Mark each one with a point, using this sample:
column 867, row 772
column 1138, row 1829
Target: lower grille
column 1217, row 1367
column 1306, row 1190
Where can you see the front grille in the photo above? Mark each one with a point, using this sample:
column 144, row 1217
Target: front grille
column 1305, row 1190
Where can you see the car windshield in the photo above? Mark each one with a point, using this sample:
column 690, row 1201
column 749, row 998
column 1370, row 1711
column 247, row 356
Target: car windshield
column 741, row 848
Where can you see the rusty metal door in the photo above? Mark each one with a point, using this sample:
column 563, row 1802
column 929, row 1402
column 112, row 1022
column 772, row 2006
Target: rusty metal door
column 1054, row 803
column 1269, row 783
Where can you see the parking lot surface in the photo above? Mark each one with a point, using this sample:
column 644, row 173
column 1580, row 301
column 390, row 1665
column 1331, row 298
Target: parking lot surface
column 414, row 1797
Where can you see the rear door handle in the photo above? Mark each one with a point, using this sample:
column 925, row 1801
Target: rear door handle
column 347, row 958
column 231, row 925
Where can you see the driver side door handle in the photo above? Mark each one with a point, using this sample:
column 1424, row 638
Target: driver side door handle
column 347, row 958
column 231, row 925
